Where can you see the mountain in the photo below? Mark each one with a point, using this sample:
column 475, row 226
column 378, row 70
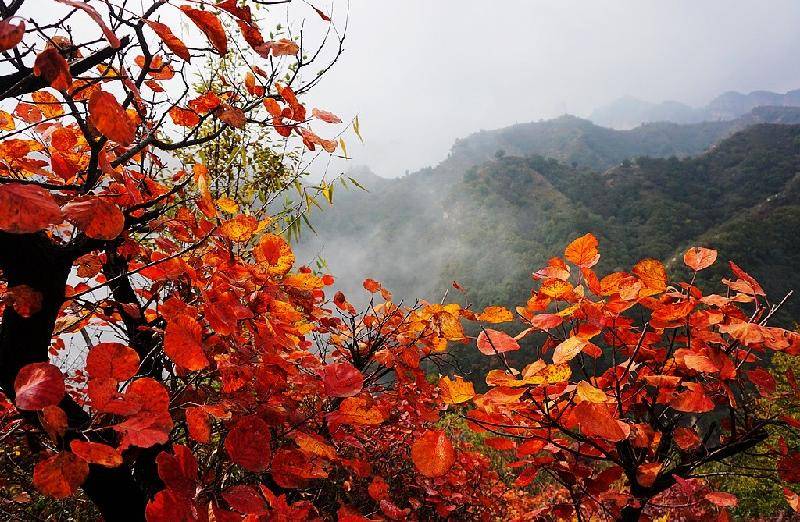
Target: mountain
column 504, row 201
column 629, row 112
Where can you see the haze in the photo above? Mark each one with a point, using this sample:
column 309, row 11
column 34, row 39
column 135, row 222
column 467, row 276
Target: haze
column 422, row 73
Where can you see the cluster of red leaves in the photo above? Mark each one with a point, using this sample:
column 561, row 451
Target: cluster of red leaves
column 626, row 369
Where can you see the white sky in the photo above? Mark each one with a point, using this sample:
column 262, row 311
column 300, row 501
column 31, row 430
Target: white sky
column 422, row 73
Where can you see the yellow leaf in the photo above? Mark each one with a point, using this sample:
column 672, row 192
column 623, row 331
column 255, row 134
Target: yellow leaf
column 589, row 393
column 227, row 205
column 357, row 129
column 456, row 391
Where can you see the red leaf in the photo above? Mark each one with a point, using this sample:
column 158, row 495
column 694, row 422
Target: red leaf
column 27, row 208
column 183, row 343
column 211, row 27
column 108, row 116
column 168, row 506
column 96, row 453
column 596, row 421
column 178, row 470
column 242, row 13
column 433, row 453
column 342, row 379
column 174, row 43
column 245, row 499
column 199, row 424
column 25, row 300
column 60, row 475
column 231, row 115
column 54, row 421
column 491, row 342
column 53, row 69
column 96, row 217
column 38, row 385
column 10, row 34
column 686, row 438
column 112, row 360
column 247, row 444
column 693, row 400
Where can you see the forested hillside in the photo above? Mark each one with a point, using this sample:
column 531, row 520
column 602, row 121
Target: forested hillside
column 503, row 201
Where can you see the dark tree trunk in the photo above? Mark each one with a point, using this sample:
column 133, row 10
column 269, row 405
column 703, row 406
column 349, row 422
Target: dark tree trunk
column 33, row 260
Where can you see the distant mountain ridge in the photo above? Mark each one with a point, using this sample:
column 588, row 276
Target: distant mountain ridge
column 629, row 112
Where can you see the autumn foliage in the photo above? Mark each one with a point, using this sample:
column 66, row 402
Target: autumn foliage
column 164, row 356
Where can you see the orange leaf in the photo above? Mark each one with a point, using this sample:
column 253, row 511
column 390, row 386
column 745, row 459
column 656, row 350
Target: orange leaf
column 491, row 342
column 721, row 499
column 240, row 228
column 433, row 453
column 211, row 27
column 112, row 360
column 7, row 121
column 698, row 258
column 96, row 217
column 174, row 43
column 60, row 475
column 183, row 343
column 53, row 69
column 327, row 117
column 283, row 47
column 38, row 385
column 793, row 499
column 693, row 400
column 48, row 104
column 231, row 115
column 567, row 350
column 27, row 208
column 96, row 453
column 456, row 391
column 495, row 314
column 183, row 117
column 583, row 251
column 596, row 421
column 653, row 276
column 108, row 116
column 646, row 474
column 274, row 252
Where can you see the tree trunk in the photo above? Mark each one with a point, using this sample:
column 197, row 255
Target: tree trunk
column 33, row 260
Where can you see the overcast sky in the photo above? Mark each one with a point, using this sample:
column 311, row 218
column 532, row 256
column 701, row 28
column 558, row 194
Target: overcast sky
column 421, row 73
